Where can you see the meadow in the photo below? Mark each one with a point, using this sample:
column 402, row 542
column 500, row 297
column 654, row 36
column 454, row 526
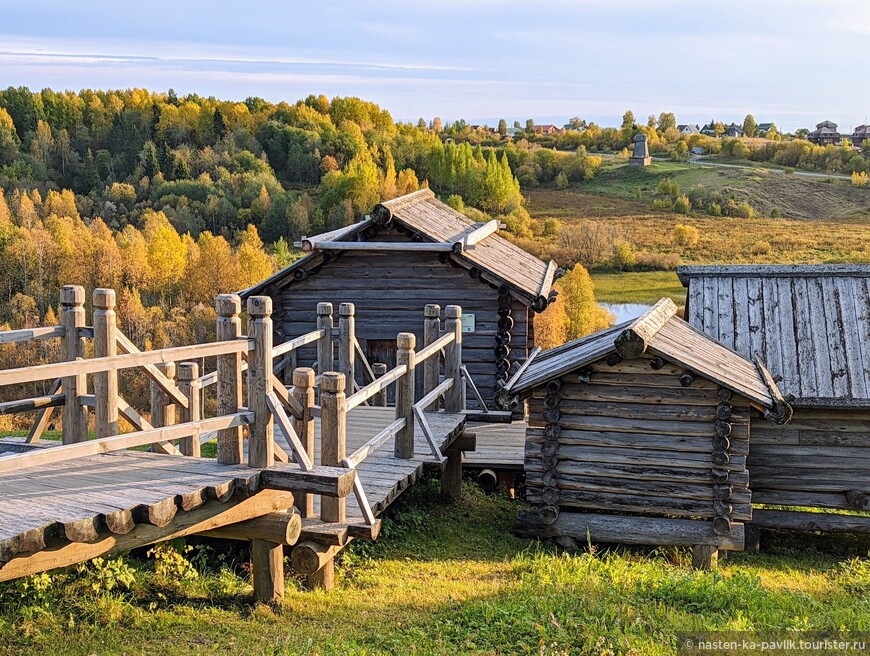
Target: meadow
column 447, row 579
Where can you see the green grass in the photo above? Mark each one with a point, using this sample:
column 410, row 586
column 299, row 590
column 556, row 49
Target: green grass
column 443, row 579
column 641, row 287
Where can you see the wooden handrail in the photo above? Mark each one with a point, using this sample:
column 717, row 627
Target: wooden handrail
column 296, row 343
column 34, row 403
column 436, row 393
column 376, row 386
column 277, row 410
column 122, row 442
column 127, row 361
column 354, row 459
column 469, row 381
column 26, row 334
column 165, row 384
column 433, row 348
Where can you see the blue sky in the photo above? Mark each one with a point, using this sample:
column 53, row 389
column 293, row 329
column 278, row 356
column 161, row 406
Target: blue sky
column 795, row 62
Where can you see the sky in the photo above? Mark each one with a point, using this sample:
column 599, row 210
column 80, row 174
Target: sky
column 793, row 62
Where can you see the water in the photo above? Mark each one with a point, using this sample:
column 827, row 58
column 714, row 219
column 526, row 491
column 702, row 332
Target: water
column 625, row 311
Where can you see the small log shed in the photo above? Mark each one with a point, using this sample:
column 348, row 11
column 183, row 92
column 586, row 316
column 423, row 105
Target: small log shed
column 413, row 251
column 639, row 434
column 810, row 324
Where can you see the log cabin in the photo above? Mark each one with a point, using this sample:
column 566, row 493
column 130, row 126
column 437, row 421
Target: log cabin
column 639, row 434
column 811, row 327
column 413, row 251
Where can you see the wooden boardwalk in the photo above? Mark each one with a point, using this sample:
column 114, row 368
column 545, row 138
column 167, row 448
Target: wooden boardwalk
column 500, row 446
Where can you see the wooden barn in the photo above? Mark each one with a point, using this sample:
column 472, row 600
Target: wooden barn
column 811, row 327
column 639, row 434
column 414, row 251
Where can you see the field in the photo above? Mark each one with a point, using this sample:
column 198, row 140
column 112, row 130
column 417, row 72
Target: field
column 641, row 287
column 447, row 579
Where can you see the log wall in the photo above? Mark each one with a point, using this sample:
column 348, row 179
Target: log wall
column 821, row 459
column 629, row 438
column 390, row 291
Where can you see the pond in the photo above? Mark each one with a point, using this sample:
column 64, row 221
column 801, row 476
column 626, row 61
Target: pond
column 625, row 311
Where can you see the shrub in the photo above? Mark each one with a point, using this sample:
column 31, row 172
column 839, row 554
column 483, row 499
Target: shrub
column 551, row 227
column 561, row 181
column 682, row 205
column 789, row 169
column 761, row 248
column 860, row 179
column 775, row 213
column 624, row 256
column 686, row 236
column 656, row 261
column 745, row 211
column 715, row 209
column 455, row 201
column 668, row 187
column 662, row 204
column 638, row 193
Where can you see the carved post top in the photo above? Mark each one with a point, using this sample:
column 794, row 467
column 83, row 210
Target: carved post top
column 188, row 371
column 104, row 299
column 228, row 305
column 324, row 309
column 406, row 341
column 346, row 309
column 166, row 368
column 260, row 307
column 379, row 368
column 303, row 377
column 72, row 295
column 432, row 311
column 332, row 382
column 453, row 312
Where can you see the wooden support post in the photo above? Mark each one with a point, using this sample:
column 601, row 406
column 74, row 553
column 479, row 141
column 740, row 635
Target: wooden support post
column 303, row 392
column 105, row 382
column 162, row 408
column 454, row 400
column 451, row 475
column 431, row 332
column 229, row 378
column 261, row 442
column 346, row 352
column 188, row 373
column 380, row 399
column 324, row 344
column 268, row 557
column 405, row 386
column 704, row 556
column 72, row 317
column 333, row 426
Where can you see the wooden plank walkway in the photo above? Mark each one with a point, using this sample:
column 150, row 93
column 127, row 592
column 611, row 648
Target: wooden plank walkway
column 383, row 475
column 500, row 446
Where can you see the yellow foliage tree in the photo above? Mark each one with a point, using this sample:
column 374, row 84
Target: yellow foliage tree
column 167, row 255
column 254, row 263
column 584, row 315
column 551, row 326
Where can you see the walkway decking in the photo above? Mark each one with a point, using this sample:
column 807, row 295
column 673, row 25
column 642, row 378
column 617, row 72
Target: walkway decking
column 500, row 446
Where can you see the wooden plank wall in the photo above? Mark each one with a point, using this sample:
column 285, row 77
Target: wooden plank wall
column 633, row 439
column 816, row 460
column 390, row 291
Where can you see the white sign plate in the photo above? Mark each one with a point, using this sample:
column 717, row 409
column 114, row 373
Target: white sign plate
column 468, row 323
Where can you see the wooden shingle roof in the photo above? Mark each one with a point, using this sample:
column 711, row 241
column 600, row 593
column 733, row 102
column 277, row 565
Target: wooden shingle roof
column 659, row 332
column 439, row 225
column 810, row 324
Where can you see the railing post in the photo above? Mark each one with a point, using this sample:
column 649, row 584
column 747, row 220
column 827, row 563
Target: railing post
column 261, row 442
column 380, row 399
column 162, row 409
column 72, row 317
column 405, row 386
column 229, row 378
column 333, row 426
column 324, row 344
column 303, row 392
column 454, row 399
column 105, row 382
column 431, row 332
column 267, row 557
column 346, row 352
column 188, row 373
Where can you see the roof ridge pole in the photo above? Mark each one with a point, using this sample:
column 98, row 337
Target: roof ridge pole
column 633, row 341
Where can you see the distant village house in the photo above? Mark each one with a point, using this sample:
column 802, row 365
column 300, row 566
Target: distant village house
column 825, row 134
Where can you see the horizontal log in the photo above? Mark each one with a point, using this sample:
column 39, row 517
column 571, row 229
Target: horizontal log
column 126, row 361
column 662, row 395
column 810, row 521
column 209, row 516
column 650, row 457
column 664, row 442
column 628, row 530
column 330, row 481
column 339, row 533
column 426, row 247
column 309, row 557
column 35, row 403
column 27, row 334
column 280, row 527
column 644, row 411
column 666, row 473
column 803, row 498
column 773, row 451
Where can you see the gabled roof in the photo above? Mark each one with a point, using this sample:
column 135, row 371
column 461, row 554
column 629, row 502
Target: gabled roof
column 810, row 324
column 660, row 332
column 468, row 243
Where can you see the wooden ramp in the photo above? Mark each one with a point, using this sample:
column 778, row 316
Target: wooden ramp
column 383, row 475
